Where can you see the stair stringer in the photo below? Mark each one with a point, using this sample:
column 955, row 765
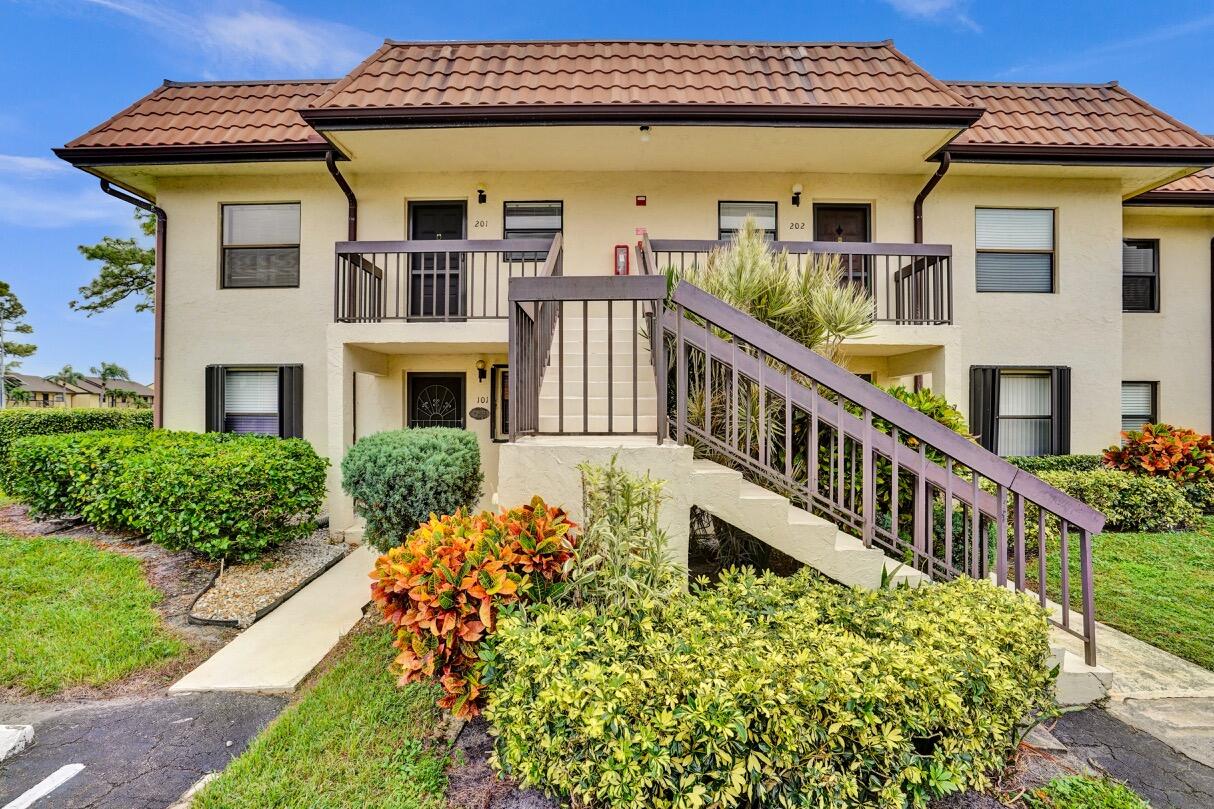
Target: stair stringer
column 817, row 542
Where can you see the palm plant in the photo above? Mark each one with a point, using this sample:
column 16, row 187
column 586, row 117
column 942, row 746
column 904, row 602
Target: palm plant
column 66, row 377
column 812, row 303
column 20, row 396
column 108, row 372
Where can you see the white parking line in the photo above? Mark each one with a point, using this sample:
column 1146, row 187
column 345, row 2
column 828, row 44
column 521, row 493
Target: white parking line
column 45, row 787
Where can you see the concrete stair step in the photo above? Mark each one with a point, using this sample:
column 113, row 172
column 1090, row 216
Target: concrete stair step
column 1078, row 683
column 621, row 423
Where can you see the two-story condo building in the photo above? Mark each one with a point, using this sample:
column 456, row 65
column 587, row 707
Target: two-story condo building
column 335, row 255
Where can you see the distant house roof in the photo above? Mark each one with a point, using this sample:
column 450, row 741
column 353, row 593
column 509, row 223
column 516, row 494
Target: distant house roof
column 1196, row 190
column 406, row 84
column 34, row 384
column 1079, row 120
column 196, row 120
column 536, row 81
column 93, row 385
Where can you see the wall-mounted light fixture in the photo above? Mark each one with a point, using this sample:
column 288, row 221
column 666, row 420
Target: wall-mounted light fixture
column 481, row 197
column 480, row 370
column 645, row 134
column 796, row 195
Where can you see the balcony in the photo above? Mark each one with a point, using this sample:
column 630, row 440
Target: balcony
column 437, row 280
column 464, row 280
column 910, row 284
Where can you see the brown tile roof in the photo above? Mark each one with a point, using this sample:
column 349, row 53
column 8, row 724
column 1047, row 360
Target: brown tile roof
column 1069, row 116
column 34, row 384
column 467, row 78
column 211, row 115
column 1196, row 189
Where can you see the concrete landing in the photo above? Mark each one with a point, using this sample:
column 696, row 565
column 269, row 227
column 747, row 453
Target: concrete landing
column 1157, row 692
column 279, row 651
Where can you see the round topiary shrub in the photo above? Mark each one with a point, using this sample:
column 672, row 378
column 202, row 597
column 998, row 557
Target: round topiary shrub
column 399, row 478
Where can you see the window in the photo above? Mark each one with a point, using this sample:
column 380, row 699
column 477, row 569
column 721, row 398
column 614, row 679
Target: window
column 255, row 399
column 731, row 215
column 435, row 400
column 532, row 220
column 1139, row 403
column 1015, row 249
column 499, row 404
column 1021, row 411
column 261, row 245
column 1140, row 275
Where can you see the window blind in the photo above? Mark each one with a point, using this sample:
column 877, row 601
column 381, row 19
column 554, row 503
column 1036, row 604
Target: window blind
column 1015, row 272
column 1014, row 229
column 261, row 245
column 1139, row 276
column 1137, row 405
column 276, row 223
column 1024, row 413
column 529, row 220
column 732, row 215
column 250, row 401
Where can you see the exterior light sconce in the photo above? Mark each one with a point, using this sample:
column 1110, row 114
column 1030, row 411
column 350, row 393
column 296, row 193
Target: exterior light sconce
column 645, row 134
column 796, row 195
column 481, row 198
column 480, row 370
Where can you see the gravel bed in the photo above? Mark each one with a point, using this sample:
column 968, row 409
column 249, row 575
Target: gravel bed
column 242, row 590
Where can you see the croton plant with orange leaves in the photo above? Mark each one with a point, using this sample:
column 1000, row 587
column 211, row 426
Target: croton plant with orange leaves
column 442, row 588
column 1178, row 453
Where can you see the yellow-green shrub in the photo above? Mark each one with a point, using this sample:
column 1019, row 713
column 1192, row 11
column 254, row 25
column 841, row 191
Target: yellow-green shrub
column 770, row 692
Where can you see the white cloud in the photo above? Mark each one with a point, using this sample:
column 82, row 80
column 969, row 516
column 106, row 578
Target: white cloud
column 937, row 11
column 254, row 35
column 1110, row 52
column 34, row 205
column 23, row 166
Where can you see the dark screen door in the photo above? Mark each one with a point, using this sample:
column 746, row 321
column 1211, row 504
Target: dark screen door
column 435, row 400
column 436, row 278
column 845, row 223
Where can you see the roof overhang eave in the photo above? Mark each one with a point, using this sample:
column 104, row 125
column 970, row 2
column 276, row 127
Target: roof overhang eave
column 1169, row 199
column 323, row 119
column 101, row 156
column 1161, row 156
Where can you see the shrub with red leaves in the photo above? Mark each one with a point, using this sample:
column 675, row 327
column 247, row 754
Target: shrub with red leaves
column 442, row 588
column 1162, row 450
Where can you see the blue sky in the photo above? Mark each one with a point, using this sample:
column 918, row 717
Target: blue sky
column 68, row 64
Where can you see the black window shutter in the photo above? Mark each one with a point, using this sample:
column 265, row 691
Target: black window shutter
column 1060, row 423
column 984, row 405
column 214, row 398
column 290, row 401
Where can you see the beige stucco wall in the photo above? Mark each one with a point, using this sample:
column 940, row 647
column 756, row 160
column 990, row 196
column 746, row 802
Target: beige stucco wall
column 1172, row 347
column 1080, row 325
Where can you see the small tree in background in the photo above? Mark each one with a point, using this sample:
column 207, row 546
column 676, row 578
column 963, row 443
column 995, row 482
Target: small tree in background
column 66, row 376
column 127, row 270
column 12, row 322
column 109, row 372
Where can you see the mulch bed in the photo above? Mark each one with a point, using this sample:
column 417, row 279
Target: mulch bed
column 243, row 594
column 472, row 783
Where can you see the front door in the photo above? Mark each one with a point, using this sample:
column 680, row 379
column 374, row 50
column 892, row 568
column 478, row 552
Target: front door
column 436, row 282
column 845, row 223
column 434, row 399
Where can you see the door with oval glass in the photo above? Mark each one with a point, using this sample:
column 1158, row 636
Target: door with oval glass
column 436, row 278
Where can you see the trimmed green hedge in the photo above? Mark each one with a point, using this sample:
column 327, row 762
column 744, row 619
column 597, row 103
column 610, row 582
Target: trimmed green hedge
column 1057, row 463
column 400, row 477
column 1128, row 502
column 219, row 495
column 26, row 421
column 769, row 692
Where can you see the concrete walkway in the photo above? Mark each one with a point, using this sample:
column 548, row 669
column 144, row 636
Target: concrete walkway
column 1157, row 692
column 275, row 654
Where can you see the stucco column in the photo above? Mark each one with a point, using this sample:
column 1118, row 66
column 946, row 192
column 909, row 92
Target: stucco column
column 343, row 362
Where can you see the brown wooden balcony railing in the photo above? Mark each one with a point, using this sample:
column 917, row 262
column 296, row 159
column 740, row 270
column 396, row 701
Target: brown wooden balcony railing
column 910, row 284
column 840, row 447
column 435, row 280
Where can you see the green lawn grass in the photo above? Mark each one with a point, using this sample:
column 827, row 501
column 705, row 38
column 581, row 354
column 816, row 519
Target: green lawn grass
column 1157, row 587
column 354, row 740
column 72, row 614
